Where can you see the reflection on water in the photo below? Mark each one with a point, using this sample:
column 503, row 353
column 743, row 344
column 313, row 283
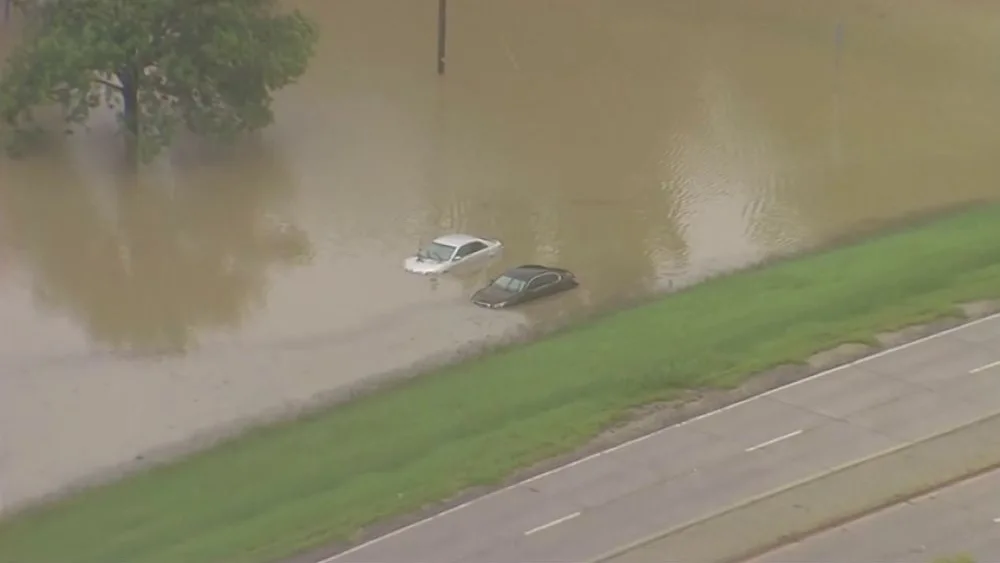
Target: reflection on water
column 145, row 265
column 640, row 143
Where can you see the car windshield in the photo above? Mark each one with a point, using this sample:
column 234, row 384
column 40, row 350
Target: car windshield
column 510, row 284
column 437, row 252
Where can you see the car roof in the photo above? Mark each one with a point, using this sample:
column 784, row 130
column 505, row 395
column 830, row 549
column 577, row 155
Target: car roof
column 456, row 239
column 526, row 272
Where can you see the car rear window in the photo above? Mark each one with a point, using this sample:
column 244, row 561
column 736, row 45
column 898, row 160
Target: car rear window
column 437, row 251
column 510, row 284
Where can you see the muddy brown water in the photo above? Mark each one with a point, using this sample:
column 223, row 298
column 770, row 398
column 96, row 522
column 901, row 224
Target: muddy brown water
column 641, row 143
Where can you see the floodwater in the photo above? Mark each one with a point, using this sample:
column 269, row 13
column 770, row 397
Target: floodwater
column 643, row 144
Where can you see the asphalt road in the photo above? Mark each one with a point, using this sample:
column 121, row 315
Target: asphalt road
column 961, row 519
column 587, row 509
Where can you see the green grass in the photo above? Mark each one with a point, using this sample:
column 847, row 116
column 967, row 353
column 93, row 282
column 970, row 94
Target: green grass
column 302, row 484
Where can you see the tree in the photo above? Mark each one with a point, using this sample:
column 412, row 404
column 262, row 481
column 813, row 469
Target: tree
column 207, row 65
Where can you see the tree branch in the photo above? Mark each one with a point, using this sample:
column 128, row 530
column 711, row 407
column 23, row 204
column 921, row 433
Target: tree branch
column 109, row 84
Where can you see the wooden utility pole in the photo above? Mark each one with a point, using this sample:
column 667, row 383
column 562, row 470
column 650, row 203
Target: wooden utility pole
column 442, row 33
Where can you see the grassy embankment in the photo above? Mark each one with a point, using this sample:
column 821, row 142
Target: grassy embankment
column 313, row 481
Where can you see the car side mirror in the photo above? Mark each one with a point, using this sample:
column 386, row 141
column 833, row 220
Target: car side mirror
column 456, row 258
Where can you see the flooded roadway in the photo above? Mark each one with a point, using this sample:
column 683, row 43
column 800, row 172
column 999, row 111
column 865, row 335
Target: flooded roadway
column 640, row 143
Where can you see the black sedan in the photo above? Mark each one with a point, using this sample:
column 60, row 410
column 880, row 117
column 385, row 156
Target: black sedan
column 524, row 283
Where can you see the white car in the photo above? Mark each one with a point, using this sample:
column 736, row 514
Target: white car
column 447, row 252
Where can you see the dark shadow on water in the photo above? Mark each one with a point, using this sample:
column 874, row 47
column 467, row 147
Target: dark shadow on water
column 144, row 265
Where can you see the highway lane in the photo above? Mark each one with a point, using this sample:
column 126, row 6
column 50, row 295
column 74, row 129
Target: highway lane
column 963, row 518
column 589, row 508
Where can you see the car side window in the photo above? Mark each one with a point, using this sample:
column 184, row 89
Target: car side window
column 469, row 248
column 543, row 280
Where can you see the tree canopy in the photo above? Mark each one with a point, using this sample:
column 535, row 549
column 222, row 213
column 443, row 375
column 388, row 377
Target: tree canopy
column 207, row 65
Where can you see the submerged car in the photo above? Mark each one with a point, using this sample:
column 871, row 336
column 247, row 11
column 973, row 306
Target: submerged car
column 524, row 283
column 446, row 253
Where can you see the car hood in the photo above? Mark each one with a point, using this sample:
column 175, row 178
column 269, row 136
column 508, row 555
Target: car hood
column 492, row 295
column 422, row 266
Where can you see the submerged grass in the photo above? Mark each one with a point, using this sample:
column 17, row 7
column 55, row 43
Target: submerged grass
column 302, row 484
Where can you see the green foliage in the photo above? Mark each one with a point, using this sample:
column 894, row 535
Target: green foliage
column 161, row 64
column 961, row 558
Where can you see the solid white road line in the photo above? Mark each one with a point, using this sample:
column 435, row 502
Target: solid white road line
column 986, row 367
column 592, row 457
column 555, row 522
column 773, row 441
